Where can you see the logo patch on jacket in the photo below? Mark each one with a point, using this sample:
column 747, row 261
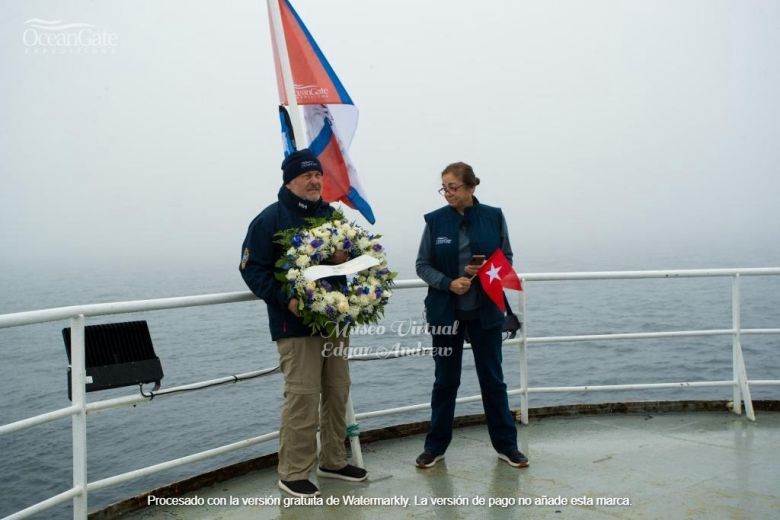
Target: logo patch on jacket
column 443, row 240
column 245, row 258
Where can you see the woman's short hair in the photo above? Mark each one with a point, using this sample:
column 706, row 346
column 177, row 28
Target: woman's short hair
column 464, row 172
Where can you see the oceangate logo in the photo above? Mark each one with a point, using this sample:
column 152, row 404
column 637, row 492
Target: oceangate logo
column 310, row 92
column 443, row 240
column 58, row 37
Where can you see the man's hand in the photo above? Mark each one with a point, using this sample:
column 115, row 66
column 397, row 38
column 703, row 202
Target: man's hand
column 339, row 257
column 293, row 307
column 460, row 285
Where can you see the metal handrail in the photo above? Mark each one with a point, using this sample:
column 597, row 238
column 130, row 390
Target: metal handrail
column 79, row 409
column 127, row 307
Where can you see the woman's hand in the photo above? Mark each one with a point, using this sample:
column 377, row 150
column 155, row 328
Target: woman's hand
column 460, row 286
column 472, row 270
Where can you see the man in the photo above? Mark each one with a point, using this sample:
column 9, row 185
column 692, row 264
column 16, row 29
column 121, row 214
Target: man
column 307, row 372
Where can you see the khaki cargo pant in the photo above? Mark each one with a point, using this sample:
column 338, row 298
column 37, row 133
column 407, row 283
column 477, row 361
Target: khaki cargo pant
column 312, row 367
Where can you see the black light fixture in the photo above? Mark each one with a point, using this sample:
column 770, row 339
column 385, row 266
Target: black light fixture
column 116, row 355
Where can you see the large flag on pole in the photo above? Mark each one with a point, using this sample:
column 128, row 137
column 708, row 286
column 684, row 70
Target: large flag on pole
column 330, row 115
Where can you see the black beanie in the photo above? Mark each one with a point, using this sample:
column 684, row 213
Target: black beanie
column 299, row 162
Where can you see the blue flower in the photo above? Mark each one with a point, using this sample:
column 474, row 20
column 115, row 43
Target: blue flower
column 378, row 292
column 377, row 247
column 347, row 244
column 317, row 242
column 297, row 240
column 330, row 310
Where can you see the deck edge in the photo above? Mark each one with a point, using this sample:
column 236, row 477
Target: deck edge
column 210, row 478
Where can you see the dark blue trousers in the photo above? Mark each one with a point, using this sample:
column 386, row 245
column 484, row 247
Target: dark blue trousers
column 486, row 347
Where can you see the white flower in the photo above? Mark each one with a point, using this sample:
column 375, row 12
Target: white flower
column 351, row 234
column 302, row 261
column 343, row 307
column 292, row 274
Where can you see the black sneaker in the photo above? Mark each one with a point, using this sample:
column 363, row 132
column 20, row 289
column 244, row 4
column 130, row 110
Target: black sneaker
column 348, row 472
column 427, row 460
column 514, row 458
column 299, row 488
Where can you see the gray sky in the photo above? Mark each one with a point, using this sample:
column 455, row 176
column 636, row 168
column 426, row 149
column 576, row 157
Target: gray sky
column 604, row 129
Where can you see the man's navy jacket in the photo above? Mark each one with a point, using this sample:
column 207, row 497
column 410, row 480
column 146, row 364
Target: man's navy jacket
column 259, row 253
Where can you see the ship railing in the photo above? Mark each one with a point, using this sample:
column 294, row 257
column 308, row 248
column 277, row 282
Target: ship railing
column 79, row 408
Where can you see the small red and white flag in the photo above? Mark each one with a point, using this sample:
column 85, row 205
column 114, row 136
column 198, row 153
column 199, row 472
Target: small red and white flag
column 496, row 275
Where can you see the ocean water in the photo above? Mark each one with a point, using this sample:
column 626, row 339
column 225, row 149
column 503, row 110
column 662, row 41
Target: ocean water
column 207, row 342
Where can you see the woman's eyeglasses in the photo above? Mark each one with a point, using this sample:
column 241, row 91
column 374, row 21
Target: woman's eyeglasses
column 449, row 188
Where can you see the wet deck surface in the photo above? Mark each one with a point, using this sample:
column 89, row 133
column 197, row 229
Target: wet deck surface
column 673, row 465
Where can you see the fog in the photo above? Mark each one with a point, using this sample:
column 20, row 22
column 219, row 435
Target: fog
column 614, row 134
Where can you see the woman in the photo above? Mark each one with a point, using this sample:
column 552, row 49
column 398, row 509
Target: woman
column 454, row 238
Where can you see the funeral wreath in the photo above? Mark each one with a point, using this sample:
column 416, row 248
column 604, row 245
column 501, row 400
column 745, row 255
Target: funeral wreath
column 337, row 302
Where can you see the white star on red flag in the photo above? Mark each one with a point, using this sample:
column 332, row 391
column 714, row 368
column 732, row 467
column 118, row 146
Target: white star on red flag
column 493, row 272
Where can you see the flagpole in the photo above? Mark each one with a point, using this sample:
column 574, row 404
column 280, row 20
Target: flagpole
column 284, row 62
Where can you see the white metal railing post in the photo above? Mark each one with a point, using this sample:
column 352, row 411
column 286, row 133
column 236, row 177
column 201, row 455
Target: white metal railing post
column 741, row 388
column 353, row 432
column 524, row 354
column 736, row 326
column 78, row 377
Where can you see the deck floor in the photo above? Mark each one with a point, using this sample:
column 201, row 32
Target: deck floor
column 668, row 466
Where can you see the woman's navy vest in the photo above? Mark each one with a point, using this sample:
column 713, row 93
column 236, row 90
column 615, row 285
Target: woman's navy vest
column 483, row 226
